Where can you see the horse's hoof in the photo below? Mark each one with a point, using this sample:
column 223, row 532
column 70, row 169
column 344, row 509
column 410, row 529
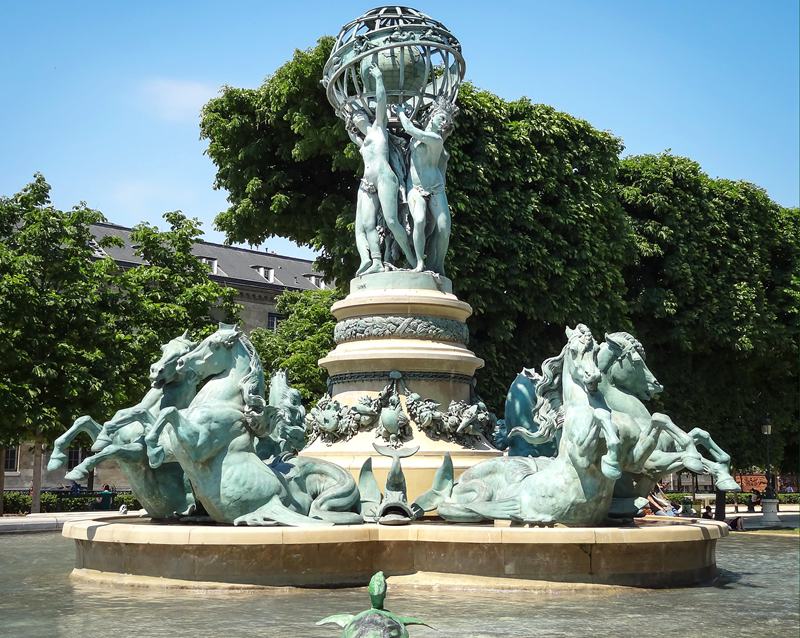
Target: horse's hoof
column 100, row 443
column 56, row 461
column 727, row 484
column 75, row 475
column 611, row 471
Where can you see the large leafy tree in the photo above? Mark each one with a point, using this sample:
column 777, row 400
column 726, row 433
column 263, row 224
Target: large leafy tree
column 173, row 292
column 539, row 239
column 300, row 340
column 76, row 332
column 713, row 294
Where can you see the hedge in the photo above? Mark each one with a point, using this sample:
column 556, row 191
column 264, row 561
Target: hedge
column 20, row 502
column 736, row 497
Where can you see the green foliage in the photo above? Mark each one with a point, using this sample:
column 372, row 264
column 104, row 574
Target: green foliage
column 302, row 338
column 76, row 332
column 173, row 292
column 539, row 239
column 713, row 295
column 20, row 502
column 58, row 317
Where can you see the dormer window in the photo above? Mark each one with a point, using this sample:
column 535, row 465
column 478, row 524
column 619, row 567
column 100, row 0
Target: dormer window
column 211, row 263
column 318, row 281
column 266, row 272
column 98, row 251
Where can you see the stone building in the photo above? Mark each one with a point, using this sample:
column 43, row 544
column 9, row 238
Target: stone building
column 258, row 277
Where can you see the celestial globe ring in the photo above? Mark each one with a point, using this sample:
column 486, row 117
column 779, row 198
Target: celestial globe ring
column 420, row 62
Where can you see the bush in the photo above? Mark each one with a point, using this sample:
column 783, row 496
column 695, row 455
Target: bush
column 16, row 503
column 20, row 502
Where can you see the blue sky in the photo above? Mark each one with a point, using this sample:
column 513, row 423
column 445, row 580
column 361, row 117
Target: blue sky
column 103, row 98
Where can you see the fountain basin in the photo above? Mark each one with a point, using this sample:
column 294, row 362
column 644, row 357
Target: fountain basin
column 651, row 553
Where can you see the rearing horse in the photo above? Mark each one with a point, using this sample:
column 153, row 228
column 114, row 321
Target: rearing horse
column 163, row 492
column 576, row 486
column 649, row 454
column 213, row 440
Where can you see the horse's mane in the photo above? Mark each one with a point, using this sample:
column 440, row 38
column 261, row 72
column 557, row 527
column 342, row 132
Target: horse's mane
column 547, row 412
column 252, row 387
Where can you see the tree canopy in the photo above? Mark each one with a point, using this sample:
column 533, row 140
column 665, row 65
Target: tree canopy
column 305, row 335
column 713, row 295
column 77, row 332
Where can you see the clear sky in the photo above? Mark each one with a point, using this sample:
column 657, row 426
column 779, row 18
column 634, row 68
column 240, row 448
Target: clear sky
column 103, row 97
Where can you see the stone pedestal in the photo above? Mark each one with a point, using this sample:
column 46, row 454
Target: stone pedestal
column 769, row 509
column 412, row 324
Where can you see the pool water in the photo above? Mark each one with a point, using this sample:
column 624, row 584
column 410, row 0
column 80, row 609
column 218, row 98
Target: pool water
column 757, row 594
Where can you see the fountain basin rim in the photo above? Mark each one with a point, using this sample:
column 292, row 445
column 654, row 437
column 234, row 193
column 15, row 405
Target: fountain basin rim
column 653, row 553
column 649, row 530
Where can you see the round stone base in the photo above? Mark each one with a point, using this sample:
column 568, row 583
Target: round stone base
column 653, row 553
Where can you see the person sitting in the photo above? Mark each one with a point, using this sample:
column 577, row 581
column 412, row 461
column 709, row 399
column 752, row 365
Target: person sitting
column 660, row 506
column 707, row 512
column 736, row 524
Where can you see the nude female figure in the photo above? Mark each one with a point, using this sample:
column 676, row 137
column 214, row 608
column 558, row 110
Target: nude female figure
column 378, row 190
column 427, row 188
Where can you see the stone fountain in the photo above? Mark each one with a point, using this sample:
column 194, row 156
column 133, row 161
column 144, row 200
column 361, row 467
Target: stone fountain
column 295, row 499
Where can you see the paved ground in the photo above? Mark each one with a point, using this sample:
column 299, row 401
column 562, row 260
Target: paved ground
column 48, row 522
column 789, row 515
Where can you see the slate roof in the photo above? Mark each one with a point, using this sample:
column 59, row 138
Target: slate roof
column 235, row 266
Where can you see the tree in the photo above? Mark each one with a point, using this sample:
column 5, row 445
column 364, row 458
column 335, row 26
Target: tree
column 539, row 239
column 301, row 339
column 77, row 333
column 713, row 295
column 173, row 292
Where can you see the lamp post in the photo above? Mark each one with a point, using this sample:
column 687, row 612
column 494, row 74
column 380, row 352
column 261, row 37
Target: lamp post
column 766, row 430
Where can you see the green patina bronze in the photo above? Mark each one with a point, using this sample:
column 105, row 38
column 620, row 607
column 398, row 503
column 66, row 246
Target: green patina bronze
column 468, row 424
column 393, row 77
column 163, row 491
column 375, row 622
column 650, row 446
column 287, row 420
column 575, row 487
column 214, row 441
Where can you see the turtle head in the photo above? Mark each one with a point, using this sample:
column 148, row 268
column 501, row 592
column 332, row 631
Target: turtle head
column 377, row 590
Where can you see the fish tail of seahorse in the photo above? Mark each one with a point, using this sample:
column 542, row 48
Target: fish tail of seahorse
column 339, row 498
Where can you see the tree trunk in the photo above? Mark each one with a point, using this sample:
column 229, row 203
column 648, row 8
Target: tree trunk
column 2, row 479
column 36, row 484
column 90, row 481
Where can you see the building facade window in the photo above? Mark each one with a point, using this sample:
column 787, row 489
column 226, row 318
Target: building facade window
column 74, row 456
column 12, row 459
column 318, row 281
column 273, row 320
column 266, row 273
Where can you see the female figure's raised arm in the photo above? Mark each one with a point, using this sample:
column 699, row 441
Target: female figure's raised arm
column 380, row 96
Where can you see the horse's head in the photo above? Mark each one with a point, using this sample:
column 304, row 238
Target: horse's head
column 165, row 370
column 579, row 361
column 621, row 360
column 214, row 355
